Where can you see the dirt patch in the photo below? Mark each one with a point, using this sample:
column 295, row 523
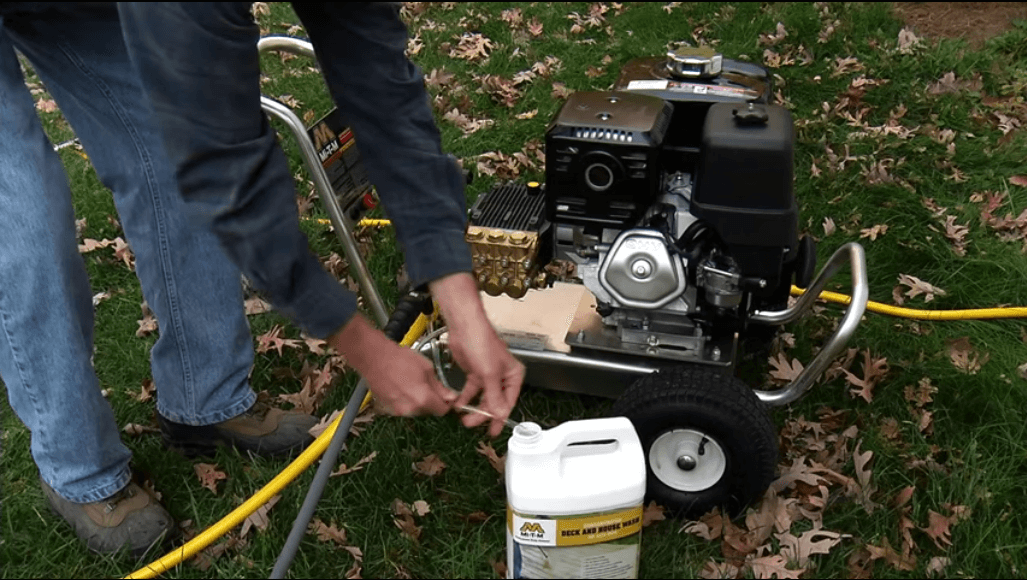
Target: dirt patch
column 974, row 21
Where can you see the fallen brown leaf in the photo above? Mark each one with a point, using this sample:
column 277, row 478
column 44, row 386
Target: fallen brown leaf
column 964, row 356
column 405, row 520
column 146, row 391
column 342, row 470
column 938, row 529
column 918, row 287
column 135, row 429
column 259, row 519
column 652, row 513
column 430, row 466
column 326, row 533
column 256, row 305
column 784, row 371
column 209, row 475
column 1020, row 180
column 560, row 91
column 773, row 566
column 421, row 508
column 798, row 549
column 498, row 463
column 936, row 565
column 890, row 556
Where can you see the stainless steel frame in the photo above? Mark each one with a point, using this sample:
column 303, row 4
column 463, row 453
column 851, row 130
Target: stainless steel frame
column 342, row 224
column 853, row 313
column 595, row 372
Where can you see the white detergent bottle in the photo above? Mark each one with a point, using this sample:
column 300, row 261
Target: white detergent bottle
column 574, row 500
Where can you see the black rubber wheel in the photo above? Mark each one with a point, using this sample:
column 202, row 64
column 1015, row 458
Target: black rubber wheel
column 707, row 438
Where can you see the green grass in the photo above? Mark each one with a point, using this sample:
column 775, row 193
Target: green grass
column 977, row 439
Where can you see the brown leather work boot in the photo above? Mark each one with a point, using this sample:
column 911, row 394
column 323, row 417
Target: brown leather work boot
column 262, row 430
column 130, row 519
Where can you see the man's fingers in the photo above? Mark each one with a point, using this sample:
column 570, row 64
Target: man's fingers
column 470, row 391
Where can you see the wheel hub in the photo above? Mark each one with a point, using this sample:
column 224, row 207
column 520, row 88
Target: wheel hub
column 687, row 460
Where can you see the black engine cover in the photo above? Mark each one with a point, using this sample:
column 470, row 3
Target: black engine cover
column 602, row 152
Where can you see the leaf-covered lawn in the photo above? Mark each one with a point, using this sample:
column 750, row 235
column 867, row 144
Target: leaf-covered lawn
column 908, row 459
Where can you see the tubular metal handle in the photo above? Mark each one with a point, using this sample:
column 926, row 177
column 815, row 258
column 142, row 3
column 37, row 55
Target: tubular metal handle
column 838, row 340
column 322, row 184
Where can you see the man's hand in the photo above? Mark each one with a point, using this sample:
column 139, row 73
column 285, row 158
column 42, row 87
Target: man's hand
column 492, row 372
column 403, row 382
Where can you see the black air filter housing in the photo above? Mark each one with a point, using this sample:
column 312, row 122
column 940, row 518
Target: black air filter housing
column 601, row 158
column 744, row 184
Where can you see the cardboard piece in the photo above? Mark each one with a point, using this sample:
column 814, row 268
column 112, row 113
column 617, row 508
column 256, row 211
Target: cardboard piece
column 541, row 319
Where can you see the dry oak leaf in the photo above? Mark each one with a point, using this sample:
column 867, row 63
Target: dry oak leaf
column 498, row 463
column 430, row 465
column 890, row 556
column 421, row 508
column 1020, row 180
column 936, row 566
column 708, row 527
column 799, row 549
column 472, row 46
column 259, row 519
column 907, row 41
column 209, row 475
column 560, row 91
column 873, row 232
column 135, row 429
column 863, row 478
column 272, row 339
column 342, row 470
column 873, row 371
column 326, row 533
column 784, row 371
column 773, row 566
column 652, row 513
column 938, row 529
column 256, row 305
column 918, row 287
column 964, row 356
column 405, row 520
column 535, row 27
column 145, row 391
column 829, row 227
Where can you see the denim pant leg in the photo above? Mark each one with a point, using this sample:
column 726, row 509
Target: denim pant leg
column 46, row 314
column 204, row 353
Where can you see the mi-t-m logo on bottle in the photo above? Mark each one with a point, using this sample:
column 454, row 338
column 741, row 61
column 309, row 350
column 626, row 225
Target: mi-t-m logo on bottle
column 532, row 530
column 538, row 532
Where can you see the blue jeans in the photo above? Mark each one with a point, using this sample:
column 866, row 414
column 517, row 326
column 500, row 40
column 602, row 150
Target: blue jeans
column 202, row 358
column 199, row 65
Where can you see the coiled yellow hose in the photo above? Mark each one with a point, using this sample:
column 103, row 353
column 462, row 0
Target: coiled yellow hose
column 276, row 485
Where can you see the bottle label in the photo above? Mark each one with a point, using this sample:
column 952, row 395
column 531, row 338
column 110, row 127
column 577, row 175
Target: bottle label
column 599, row 545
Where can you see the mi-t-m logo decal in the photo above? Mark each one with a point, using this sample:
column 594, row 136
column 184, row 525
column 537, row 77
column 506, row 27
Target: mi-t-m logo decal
column 532, row 530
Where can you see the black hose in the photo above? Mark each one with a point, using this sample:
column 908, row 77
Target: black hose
column 407, row 311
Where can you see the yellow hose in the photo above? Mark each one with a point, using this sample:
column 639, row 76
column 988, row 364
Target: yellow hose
column 364, row 223
column 236, row 516
column 971, row 314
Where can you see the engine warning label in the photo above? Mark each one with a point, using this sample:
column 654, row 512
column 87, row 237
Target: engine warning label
column 604, row 545
column 694, row 88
